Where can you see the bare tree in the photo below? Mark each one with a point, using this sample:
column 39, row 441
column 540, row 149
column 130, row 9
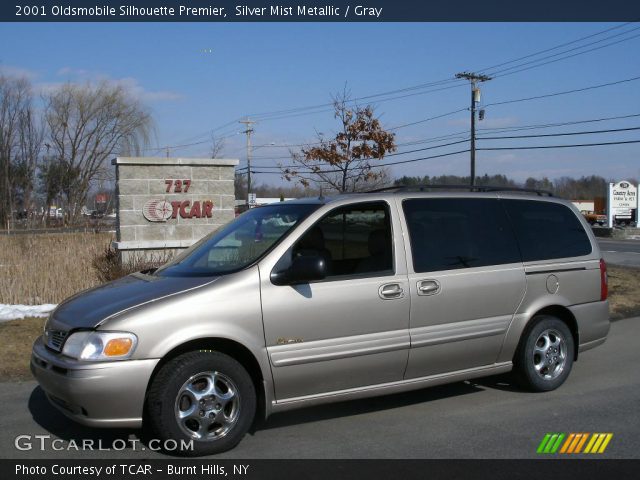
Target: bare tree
column 217, row 146
column 87, row 125
column 15, row 115
column 344, row 163
column 25, row 164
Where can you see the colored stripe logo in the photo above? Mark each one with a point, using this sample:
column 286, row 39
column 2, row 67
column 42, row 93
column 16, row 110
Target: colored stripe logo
column 574, row 443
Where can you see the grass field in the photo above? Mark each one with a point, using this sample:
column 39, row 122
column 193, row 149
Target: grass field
column 47, row 268
column 624, row 292
column 19, row 335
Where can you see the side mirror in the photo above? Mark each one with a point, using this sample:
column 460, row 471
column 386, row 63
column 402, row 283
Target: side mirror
column 303, row 269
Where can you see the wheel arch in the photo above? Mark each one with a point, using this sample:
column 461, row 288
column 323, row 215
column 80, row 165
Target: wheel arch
column 232, row 348
column 561, row 313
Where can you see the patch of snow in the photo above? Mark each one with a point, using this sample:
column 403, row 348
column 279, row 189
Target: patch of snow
column 14, row 312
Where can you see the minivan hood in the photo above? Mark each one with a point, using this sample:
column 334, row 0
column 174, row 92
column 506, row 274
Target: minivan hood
column 90, row 308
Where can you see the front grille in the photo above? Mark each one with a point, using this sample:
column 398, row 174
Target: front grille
column 55, row 339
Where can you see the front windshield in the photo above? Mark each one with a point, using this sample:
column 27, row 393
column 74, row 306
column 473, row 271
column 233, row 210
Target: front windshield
column 239, row 243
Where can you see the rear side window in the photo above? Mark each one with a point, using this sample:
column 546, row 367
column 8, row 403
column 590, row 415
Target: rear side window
column 453, row 233
column 547, row 230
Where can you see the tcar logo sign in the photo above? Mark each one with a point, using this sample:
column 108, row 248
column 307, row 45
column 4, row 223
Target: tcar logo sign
column 157, row 210
column 161, row 210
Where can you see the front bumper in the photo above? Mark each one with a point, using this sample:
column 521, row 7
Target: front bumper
column 97, row 394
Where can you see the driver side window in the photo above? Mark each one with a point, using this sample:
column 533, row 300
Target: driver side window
column 354, row 241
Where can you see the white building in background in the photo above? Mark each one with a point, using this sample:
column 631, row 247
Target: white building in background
column 584, row 205
column 259, row 201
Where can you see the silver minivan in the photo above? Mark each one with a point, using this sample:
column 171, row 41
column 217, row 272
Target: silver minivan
column 327, row 299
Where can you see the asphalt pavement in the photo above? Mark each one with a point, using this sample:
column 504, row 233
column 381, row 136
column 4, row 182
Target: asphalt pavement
column 486, row 418
column 620, row 252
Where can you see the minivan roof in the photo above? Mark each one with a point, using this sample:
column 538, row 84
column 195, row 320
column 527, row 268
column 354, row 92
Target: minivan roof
column 440, row 191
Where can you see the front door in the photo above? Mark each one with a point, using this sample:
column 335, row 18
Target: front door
column 351, row 329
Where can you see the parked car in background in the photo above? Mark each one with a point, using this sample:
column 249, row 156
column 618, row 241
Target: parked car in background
column 594, row 218
column 325, row 299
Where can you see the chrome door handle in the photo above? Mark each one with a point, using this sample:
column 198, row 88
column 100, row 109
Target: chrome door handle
column 390, row 290
column 428, row 287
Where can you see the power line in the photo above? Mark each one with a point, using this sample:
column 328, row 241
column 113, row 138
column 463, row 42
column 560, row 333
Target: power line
column 283, row 113
column 565, row 57
column 313, row 109
column 400, row 162
column 542, row 59
column 557, row 46
column 413, row 142
column 516, row 128
column 173, row 147
column 451, row 82
column 264, row 119
column 207, row 133
column 424, row 120
column 298, row 111
column 562, row 146
column 579, row 145
column 357, row 99
column 566, row 92
column 562, row 134
column 387, row 155
column 428, row 119
column 590, row 132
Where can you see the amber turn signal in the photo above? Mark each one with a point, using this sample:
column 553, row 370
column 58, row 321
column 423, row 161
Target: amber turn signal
column 117, row 347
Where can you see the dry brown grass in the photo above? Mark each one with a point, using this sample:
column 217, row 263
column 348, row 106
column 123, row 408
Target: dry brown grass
column 624, row 292
column 47, row 268
column 17, row 338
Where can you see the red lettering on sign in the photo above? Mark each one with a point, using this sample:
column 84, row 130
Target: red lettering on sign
column 207, row 206
column 195, row 210
column 183, row 209
column 199, row 209
column 178, row 186
column 176, row 207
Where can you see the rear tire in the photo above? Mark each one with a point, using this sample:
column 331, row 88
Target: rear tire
column 545, row 355
column 204, row 397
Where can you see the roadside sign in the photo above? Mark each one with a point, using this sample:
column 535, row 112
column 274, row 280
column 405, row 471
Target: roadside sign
column 623, row 202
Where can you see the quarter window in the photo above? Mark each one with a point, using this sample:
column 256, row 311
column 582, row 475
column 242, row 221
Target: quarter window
column 547, row 230
column 454, row 233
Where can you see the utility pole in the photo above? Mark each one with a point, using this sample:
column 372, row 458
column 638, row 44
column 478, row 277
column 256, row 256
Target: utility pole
column 248, row 131
column 473, row 78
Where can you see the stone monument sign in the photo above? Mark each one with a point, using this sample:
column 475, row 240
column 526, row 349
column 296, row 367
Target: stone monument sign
column 170, row 203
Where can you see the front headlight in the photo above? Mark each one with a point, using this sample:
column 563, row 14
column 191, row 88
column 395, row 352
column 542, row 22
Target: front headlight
column 100, row 346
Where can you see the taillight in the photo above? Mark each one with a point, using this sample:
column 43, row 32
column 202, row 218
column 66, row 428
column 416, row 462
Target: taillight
column 604, row 282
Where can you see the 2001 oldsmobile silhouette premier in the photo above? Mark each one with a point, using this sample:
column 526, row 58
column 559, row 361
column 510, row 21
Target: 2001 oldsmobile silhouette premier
column 319, row 300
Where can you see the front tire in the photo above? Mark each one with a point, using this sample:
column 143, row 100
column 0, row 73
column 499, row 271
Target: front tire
column 204, row 397
column 545, row 355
